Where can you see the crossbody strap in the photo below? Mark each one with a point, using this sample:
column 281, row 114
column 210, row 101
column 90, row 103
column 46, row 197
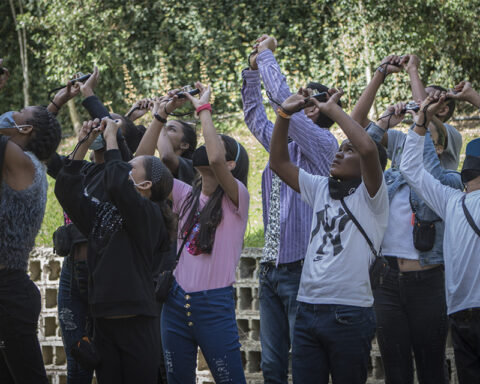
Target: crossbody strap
column 360, row 228
column 469, row 217
column 184, row 241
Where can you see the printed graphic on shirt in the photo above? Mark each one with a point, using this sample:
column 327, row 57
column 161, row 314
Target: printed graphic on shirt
column 333, row 223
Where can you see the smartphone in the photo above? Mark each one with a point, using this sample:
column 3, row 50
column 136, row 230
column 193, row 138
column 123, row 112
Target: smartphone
column 81, row 79
column 193, row 92
column 322, row 97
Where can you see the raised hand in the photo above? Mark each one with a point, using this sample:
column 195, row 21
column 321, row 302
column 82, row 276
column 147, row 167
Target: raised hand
column 432, row 104
column 139, row 109
column 265, row 42
column 464, row 91
column 296, row 102
column 4, row 75
column 66, row 94
column 391, row 64
column 392, row 116
column 334, row 95
column 110, row 128
column 203, row 97
column 410, row 63
column 92, row 129
column 88, row 87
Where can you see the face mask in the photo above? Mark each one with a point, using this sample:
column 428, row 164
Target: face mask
column 6, row 120
column 98, row 143
column 200, row 157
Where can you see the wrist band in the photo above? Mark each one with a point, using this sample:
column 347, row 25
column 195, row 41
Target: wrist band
column 203, row 107
column 282, row 113
column 160, row 118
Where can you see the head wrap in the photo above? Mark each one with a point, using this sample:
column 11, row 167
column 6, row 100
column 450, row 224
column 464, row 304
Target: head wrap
column 471, row 165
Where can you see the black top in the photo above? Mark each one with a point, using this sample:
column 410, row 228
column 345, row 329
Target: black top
column 123, row 238
column 185, row 172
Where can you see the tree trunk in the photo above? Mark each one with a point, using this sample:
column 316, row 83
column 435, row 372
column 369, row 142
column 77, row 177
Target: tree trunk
column 22, row 43
column 74, row 118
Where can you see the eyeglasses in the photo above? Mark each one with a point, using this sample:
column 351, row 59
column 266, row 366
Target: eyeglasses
column 134, row 183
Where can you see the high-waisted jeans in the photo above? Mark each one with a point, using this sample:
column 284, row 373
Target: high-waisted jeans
column 204, row 319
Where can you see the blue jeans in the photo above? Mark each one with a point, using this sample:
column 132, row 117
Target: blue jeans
column 332, row 339
column 72, row 315
column 205, row 319
column 278, row 308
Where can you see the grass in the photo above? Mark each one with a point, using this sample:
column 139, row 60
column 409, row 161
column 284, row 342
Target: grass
column 235, row 127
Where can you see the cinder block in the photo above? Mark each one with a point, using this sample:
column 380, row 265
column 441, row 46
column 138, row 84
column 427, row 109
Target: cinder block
column 379, row 371
column 35, row 270
column 53, row 270
column 50, row 326
column 243, row 328
column 60, row 356
column 51, row 297
column 247, row 268
column 255, row 330
column 47, row 352
column 245, row 299
column 253, row 361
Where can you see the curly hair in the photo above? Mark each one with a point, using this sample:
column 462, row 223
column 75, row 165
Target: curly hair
column 189, row 137
column 46, row 135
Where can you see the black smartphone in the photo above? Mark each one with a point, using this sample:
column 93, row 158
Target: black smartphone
column 193, row 92
column 411, row 106
column 81, row 79
column 322, row 97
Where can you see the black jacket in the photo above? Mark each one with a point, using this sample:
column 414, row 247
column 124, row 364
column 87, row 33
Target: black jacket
column 123, row 238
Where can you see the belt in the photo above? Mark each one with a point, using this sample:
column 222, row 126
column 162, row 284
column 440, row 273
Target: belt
column 272, row 263
column 467, row 315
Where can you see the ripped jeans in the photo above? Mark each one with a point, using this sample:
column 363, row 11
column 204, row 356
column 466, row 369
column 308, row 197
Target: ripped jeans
column 205, row 319
column 72, row 315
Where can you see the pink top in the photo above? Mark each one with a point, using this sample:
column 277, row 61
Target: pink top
column 215, row 270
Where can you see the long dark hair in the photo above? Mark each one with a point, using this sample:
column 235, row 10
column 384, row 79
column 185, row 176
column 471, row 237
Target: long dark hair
column 160, row 191
column 46, row 134
column 211, row 214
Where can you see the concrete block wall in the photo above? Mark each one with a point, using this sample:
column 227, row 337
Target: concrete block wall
column 45, row 272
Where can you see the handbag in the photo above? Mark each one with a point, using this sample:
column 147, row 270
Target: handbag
column 469, row 217
column 165, row 278
column 423, row 231
column 379, row 268
column 62, row 240
column 85, row 354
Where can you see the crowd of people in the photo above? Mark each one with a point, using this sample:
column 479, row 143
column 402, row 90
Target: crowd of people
column 151, row 243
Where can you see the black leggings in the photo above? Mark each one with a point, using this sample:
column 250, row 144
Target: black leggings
column 20, row 355
column 129, row 350
column 412, row 318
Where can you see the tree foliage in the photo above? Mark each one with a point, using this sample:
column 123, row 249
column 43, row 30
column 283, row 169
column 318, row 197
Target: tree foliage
column 163, row 44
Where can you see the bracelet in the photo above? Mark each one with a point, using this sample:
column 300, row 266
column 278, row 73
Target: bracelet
column 282, row 113
column 203, row 107
column 160, row 118
column 56, row 106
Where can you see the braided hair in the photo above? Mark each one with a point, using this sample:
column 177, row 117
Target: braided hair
column 46, row 135
column 162, row 184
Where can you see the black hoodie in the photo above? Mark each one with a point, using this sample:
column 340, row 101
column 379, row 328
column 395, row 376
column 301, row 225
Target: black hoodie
column 124, row 235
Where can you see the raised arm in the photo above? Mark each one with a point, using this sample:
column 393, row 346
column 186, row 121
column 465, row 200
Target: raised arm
column 161, row 108
column 390, row 64
column 316, row 143
column 371, row 169
column 253, row 109
column 18, row 169
column 429, row 189
column 411, row 63
column 214, row 145
column 280, row 162
column 463, row 91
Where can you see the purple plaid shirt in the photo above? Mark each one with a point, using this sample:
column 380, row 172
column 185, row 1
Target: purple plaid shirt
column 312, row 149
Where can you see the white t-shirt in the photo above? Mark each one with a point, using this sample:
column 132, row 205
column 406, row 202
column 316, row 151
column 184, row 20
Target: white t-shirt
column 398, row 239
column 338, row 258
column 461, row 245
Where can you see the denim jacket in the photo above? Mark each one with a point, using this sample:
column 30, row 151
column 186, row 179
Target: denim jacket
column 394, row 180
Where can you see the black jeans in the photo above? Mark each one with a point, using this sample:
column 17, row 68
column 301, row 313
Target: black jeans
column 128, row 349
column 412, row 317
column 466, row 344
column 21, row 359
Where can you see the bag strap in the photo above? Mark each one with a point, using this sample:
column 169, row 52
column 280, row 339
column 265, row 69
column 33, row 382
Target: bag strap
column 469, row 217
column 360, row 228
column 184, row 241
